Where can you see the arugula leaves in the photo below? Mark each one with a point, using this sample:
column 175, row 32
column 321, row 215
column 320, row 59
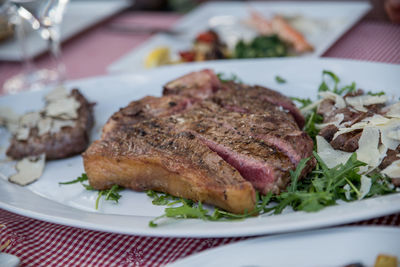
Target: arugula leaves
column 224, row 78
column 303, row 101
column 111, row 194
column 80, row 179
column 181, row 208
column 376, row 94
column 322, row 188
column 312, row 119
column 323, row 87
column 279, row 79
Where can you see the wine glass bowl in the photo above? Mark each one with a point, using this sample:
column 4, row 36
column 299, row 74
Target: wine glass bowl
column 44, row 17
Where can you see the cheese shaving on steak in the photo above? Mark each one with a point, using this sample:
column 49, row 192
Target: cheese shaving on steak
column 359, row 102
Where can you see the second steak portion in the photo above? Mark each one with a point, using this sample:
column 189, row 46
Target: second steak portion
column 68, row 141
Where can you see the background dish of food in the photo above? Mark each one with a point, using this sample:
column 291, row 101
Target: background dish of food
column 322, row 23
column 73, row 205
column 347, row 245
column 77, row 19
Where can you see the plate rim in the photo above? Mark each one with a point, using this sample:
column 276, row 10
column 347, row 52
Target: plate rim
column 168, row 232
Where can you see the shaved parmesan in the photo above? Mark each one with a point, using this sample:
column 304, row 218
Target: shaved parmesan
column 28, row 170
column 389, row 134
column 330, row 156
column 356, row 126
column 30, row 119
column 7, row 115
column 339, row 101
column 311, row 106
column 57, row 93
column 58, row 124
column 63, row 108
column 358, row 102
column 376, row 119
column 44, row 126
column 394, row 111
column 393, row 170
column 365, row 186
column 347, row 189
column 368, row 151
column 9, row 119
column 26, row 122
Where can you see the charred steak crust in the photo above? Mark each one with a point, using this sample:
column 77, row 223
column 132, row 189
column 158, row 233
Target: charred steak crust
column 151, row 155
column 254, row 99
column 69, row 141
column 147, row 108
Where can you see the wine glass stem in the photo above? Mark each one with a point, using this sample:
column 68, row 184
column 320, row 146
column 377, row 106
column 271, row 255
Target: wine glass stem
column 21, row 37
column 55, row 51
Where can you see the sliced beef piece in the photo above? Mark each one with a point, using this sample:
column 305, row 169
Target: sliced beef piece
column 347, row 142
column 200, row 84
column 357, row 92
column 152, row 155
column 69, row 141
column 326, row 107
column 391, row 155
column 261, row 164
column 328, row 132
column 145, row 108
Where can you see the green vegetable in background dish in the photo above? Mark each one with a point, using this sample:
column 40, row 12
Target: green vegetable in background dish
column 261, row 46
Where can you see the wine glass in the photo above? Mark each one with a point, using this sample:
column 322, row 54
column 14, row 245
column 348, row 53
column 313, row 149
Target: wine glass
column 43, row 16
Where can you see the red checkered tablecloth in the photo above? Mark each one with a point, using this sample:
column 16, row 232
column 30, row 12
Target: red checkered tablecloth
column 39, row 243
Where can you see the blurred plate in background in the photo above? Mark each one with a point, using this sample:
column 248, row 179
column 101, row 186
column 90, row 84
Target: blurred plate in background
column 322, row 23
column 330, row 247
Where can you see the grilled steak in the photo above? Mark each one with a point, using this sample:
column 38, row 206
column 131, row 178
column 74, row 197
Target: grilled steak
column 68, row 141
column 151, row 155
column 151, row 144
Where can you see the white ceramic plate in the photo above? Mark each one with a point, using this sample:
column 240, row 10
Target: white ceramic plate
column 331, row 247
column 72, row 205
column 79, row 15
column 329, row 21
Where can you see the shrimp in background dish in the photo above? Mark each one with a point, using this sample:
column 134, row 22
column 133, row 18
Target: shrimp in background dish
column 278, row 25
